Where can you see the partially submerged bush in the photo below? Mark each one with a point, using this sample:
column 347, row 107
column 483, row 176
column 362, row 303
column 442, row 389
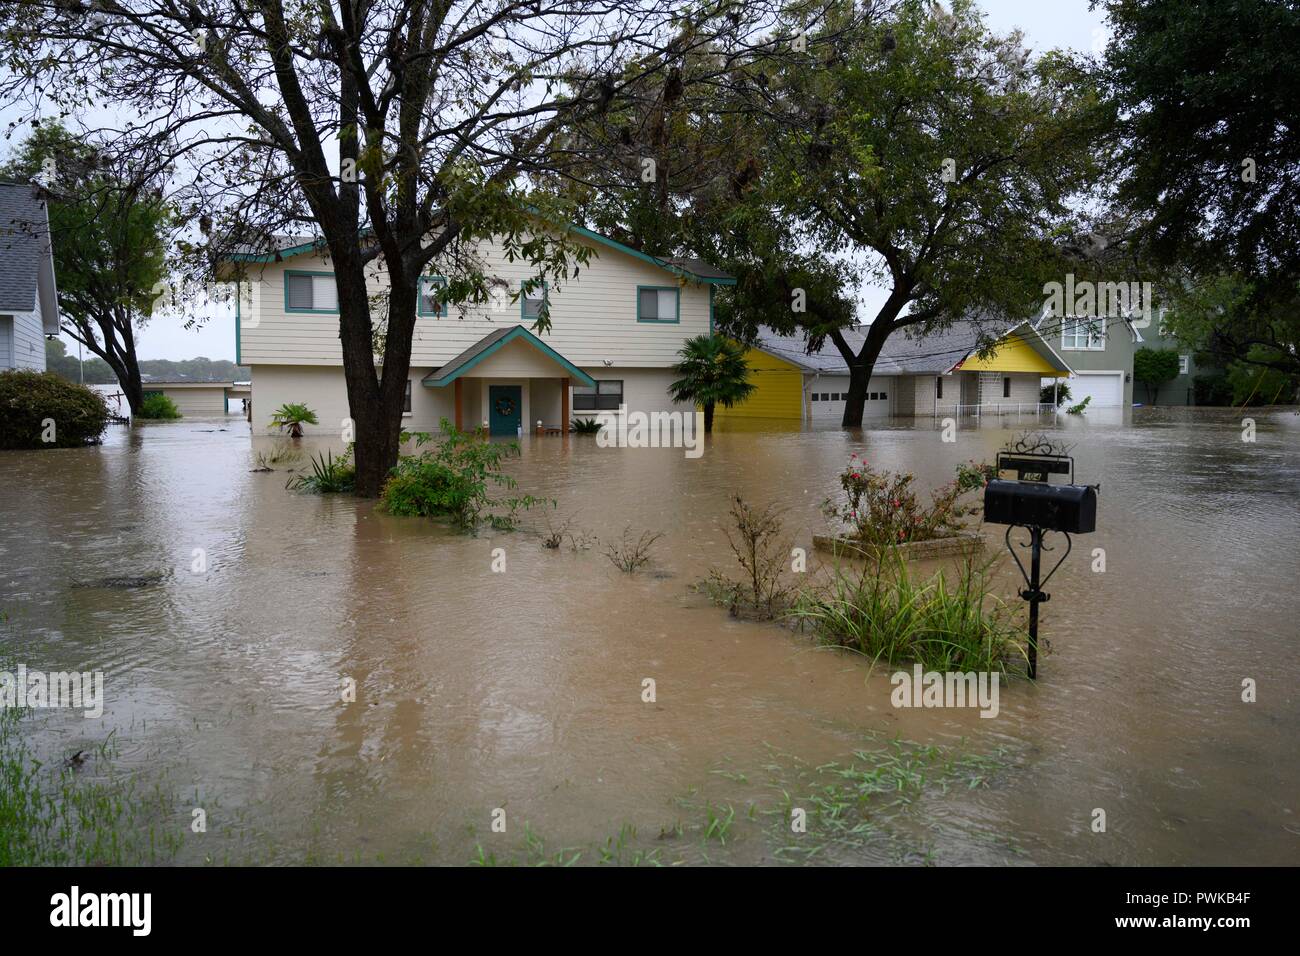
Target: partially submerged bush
column 882, row 508
column 291, row 416
column 456, row 479
column 586, row 426
column 328, row 475
column 41, row 410
column 761, row 553
column 628, row 554
column 886, row 614
column 158, row 406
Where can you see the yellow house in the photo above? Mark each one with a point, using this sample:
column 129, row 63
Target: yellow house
column 953, row 371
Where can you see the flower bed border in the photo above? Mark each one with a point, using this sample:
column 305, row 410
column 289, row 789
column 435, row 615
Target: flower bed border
column 968, row 542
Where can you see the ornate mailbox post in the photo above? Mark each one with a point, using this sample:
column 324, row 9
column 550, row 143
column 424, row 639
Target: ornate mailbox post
column 1031, row 501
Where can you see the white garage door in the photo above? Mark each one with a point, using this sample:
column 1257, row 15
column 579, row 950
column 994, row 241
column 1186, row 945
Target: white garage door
column 1106, row 389
column 827, row 396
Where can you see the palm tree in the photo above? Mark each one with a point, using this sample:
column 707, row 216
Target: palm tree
column 292, row 416
column 713, row 372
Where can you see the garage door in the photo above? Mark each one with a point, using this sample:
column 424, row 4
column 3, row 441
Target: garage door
column 827, row 397
column 1107, row 390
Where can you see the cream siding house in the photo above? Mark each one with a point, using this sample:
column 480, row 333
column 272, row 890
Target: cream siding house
column 29, row 309
column 615, row 333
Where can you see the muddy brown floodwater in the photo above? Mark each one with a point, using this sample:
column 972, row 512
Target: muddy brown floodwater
column 522, row 690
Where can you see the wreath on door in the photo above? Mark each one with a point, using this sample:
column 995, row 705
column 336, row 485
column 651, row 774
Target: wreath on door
column 506, row 407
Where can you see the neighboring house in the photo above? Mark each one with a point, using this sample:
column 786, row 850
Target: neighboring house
column 29, row 308
column 615, row 333
column 1100, row 350
column 194, row 399
column 1181, row 389
column 940, row 373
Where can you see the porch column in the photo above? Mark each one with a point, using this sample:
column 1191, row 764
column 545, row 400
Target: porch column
column 460, row 404
column 564, row 406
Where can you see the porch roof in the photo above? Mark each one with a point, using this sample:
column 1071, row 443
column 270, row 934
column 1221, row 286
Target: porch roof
column 491, row 343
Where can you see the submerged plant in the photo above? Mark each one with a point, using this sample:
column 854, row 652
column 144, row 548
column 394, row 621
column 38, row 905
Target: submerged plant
column 888, row 614
column 586, row 426
column 456, row 479
column 761, row 553
column 291, row 416
column 328, row 475
column 881, row 508
column 158, row 406
column 628, row 555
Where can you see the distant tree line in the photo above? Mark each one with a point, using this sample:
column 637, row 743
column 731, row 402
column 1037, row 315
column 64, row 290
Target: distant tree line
column 97, row 371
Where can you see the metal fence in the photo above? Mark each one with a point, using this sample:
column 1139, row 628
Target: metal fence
column 998, row 408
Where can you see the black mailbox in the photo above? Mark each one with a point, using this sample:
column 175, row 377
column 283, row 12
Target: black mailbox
column 1032, row 504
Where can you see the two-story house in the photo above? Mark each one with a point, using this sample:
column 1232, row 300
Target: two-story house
column 1099, row 350
column 29, row 306
column 615, row 332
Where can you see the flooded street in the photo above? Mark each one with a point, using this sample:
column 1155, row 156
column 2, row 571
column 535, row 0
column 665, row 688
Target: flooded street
column 226, row 612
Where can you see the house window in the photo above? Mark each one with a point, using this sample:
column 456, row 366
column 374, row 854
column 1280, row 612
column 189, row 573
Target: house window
column 607, row 394
column 938, row 388
column 658, row 304
column 430, row 296
column 883, row 396
column 533, row 302
column 1006, row 386
column 874, row 396
column 406, row 403
column 1083, row 334
column 310, row 292
column 1184, row 364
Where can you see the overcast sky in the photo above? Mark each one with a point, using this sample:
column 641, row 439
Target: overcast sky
column 1045, row 23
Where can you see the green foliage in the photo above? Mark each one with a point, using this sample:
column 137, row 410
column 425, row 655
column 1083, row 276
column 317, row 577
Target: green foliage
column 35, row 405
column 1259, row 384
column 882, row 508
column 291, row 416
column 586, row 426
column 1060, row 392
column 160, row 406
column 1153, row 368
column 1211, row 387
column 713, row 372
column 1081, row 408
column 629, row 554
column 457, row 478
column 328, row 475
column 891, row 616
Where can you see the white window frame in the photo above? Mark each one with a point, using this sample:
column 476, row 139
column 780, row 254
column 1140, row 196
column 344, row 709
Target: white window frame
column 1091, row 332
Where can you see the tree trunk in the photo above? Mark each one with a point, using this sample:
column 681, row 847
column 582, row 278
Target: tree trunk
column 861, row 366
column 708, row 417
column 856, row 400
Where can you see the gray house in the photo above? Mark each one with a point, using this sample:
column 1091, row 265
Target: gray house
column 1100, row 352
column 29, row 308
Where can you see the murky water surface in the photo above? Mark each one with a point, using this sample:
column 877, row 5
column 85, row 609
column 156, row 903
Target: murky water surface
column 522, row 690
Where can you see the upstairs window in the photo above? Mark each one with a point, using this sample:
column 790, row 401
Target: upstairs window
column 310, row 292
column 658, row 304
column 1083, row 334
column 431, row 292
column 1184, row 364
column 532, row 303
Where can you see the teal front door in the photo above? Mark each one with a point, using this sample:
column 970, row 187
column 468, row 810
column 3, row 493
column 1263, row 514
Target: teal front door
column 506, row 409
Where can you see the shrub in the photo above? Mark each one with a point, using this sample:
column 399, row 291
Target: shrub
column 761, row 553
column 291, row 416
column 41, row 410
column 586, row 426
column 627, row 554
column 1081, row 407
column 456, row 479
column 158, row 406
column 329, row 475
column 1058, row 393
column 882, row 509
column 888, row 615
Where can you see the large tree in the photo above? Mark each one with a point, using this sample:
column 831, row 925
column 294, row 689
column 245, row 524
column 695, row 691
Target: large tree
column 108, row 230
column 396, row 130
column 1209, row 94
column 903, row 146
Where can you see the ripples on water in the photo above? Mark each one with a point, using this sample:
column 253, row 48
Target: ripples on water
column 523, row 690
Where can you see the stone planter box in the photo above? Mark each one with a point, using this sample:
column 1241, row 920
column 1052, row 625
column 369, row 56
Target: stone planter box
column 968, row 542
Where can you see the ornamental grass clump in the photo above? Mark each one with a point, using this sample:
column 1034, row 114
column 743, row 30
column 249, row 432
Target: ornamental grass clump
column 882, row 508
column 887, row 613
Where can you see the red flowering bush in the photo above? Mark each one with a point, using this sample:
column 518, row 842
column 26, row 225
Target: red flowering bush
column 881, row 507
